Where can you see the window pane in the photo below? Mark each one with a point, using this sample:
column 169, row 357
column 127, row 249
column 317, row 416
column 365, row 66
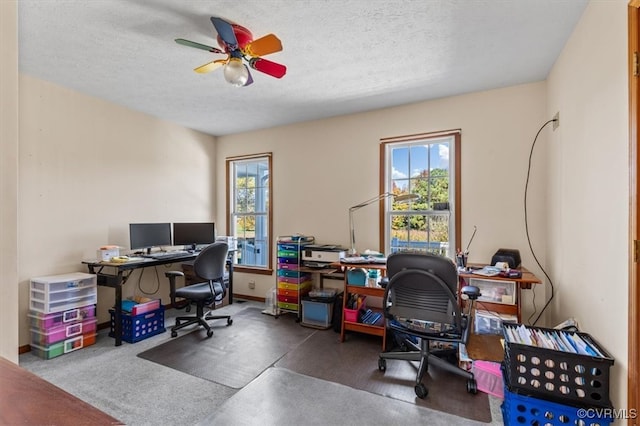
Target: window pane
column 421, row 167
column 249, row 212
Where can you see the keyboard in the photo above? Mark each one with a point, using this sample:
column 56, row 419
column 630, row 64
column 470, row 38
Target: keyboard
column 167, row 254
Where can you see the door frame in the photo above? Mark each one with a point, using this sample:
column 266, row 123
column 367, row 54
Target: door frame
column 633, row 361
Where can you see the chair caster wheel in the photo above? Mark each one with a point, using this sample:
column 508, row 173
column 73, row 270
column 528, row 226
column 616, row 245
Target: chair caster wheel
column 209, row 333
column 472, row 386
column 174, row 334
column 421, row 391
column 229, row 321
column 382, row 364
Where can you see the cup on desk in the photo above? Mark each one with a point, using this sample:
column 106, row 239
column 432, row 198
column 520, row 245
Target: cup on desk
column 461, row 260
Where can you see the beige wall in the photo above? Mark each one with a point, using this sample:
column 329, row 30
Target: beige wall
column 588, row 182
column 8, row 180
column 81, row 162
column 321, row 168
column 88, row 168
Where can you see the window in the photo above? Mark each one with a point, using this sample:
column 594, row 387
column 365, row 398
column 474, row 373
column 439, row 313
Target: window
column 429, row 166
column 249, row 210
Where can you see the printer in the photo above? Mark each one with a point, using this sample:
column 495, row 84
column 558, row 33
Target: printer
column 314, row 255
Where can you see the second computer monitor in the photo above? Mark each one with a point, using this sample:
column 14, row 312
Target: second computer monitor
column 193, row 234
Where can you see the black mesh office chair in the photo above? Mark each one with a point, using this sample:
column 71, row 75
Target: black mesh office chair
column 420, row 301
column 209, row 265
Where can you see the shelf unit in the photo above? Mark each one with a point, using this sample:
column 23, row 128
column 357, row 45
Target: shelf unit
column 500, row 295
column 362, row 290
column 292, row 281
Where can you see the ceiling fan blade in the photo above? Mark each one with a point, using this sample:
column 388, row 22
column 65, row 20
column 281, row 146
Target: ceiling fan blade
column 250, row 80
column 198, row 45
column 268, row 67
column 263, row 46
column 225, row 31
column 211, row 66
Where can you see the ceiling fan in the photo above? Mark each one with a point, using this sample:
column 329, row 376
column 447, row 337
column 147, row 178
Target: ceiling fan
column 238, row 44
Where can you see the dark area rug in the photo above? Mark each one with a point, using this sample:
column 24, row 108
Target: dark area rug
column 354, row 363
column 235, row 354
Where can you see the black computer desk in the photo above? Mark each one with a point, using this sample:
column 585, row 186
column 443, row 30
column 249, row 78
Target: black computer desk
column 115, row 275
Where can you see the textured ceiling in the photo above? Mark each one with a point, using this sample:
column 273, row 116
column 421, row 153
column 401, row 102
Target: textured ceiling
column 341, row 56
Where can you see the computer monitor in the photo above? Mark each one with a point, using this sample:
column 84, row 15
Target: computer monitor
column 193, row 234
column 148, row 235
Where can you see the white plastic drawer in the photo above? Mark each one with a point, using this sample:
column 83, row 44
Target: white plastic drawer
column 495, row 291
column 62, row 292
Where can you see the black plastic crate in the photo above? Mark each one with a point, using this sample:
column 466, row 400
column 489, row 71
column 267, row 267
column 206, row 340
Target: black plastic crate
column 556, row 375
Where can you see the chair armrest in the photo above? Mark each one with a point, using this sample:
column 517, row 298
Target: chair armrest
column 172, row 275
column 471, row 291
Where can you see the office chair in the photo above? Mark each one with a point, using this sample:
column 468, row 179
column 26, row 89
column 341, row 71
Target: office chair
column 420, row 303
column 209, row 265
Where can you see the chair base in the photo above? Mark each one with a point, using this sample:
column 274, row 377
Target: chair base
column 201, row 318
column 425, row 357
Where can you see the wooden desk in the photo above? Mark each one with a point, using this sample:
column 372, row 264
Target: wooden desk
column 26, row 399
column 115, row 275
column 524, row 282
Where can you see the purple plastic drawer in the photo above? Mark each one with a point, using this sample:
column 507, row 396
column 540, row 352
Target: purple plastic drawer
column 43, row 321
column 63, row 332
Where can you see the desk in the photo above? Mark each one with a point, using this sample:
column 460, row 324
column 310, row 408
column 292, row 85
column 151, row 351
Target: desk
column 115, row 278
column 524, row 282
column 26, row 399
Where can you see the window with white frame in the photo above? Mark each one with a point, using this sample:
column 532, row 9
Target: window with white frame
column 429, row 167
column 249, row 209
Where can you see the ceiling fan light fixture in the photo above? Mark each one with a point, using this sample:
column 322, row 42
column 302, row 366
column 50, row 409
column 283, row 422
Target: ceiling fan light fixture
column 236, row 73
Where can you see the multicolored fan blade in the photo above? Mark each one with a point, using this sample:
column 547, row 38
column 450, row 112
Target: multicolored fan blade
column 225, row 31
column 211, row 66
column 198, row 45
column 250, row 80
column 268, row 67
column 263, row 46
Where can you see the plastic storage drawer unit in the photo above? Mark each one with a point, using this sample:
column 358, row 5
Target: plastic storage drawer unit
column 495, row 291
column 58, row 293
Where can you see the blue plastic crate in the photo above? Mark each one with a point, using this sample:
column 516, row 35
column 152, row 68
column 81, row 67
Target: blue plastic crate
column 139, row 327
column 525, row 410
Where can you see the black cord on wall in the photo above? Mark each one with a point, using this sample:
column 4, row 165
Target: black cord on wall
column 526, row 226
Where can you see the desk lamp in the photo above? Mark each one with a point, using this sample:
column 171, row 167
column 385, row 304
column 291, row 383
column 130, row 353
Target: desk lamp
column 399, row 197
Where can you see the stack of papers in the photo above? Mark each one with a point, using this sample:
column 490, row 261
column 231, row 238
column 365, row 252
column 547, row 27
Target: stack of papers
column 558, row 340
column 364, row 259
column 487, row 271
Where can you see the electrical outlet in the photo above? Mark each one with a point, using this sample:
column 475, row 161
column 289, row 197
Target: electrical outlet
column 252, row 285
column 556, row 120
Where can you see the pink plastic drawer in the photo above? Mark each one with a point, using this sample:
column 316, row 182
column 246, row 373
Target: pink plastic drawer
column 489, row 377
column 43, row 321
column 63, row 332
